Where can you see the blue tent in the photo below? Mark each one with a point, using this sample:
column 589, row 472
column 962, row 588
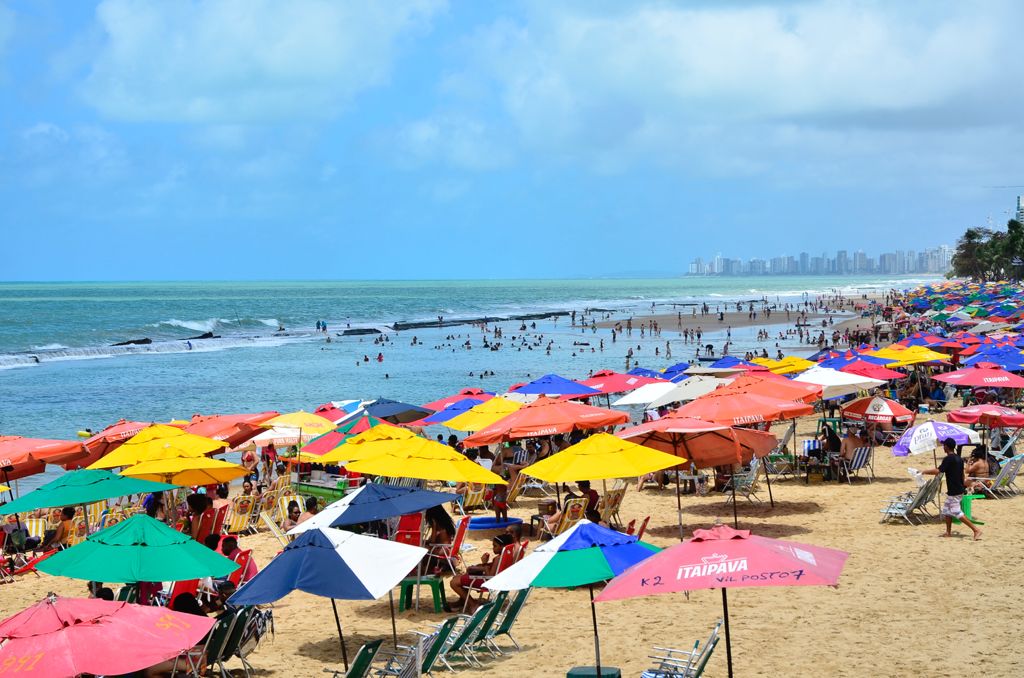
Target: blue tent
column 554, row 385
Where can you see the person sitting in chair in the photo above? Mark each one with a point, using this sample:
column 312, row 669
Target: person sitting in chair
column 474, row 577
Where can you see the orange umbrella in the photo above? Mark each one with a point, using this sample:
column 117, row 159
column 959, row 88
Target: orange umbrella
column 28, row 456
column 772, row 386
column 544, row 417
column 234, row 429
column 737, row 409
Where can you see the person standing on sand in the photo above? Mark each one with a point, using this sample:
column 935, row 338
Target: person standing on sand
column 953, row 468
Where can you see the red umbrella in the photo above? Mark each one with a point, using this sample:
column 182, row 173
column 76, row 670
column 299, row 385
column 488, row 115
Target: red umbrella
column 72, row 636
column 544, row 417
column 737, row 409
column 774, row 386
column 980, row 376
column 876, row 409
column 109, row 439
column 475, row 393
column 29, row 456
column 872, row 371
column 726, row 558
column 610, row 381
column 990, row 415
column 234, row 429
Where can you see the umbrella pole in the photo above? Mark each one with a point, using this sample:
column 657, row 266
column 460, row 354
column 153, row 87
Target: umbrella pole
column 728, row 640
column 735, row 518
column 597, row 641
column 394, row 629
column 7, row 481
column 768, row 479
column 679, row 507
column 341, row 636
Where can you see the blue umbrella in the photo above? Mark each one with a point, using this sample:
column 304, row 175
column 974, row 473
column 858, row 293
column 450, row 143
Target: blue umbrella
column 396, row 412
column 675, row 370
column 333, row 564
column 554, row 385
column 644, row 372
column 374, row 502
column 452, row 411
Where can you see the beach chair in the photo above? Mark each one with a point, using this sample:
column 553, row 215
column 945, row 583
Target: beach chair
column 1001, row 483
column 615, row 497
column 176, row 589
column 410, row 529
column 907, row 505
column 534, row 484
column 282, row 483
column 191, row 662
column 451, row 553
column 36, row 527
column 268, row 500
column 503, row 626
column 129, row 593
column 745, row 483
column 506, row 558
column 479, row 641
column 861, row 461
column 672, row 663
column 275, row 529
column 643, row 528
column 473, row 498
column 1007, row 446
column 515, row 489
column 461, row 639
column 282, row 506
column 572, row 512
column 78, row 532
column 428, row 647
column 219, row 516
column 780, row 467
column 362, row 663
column 240, row 516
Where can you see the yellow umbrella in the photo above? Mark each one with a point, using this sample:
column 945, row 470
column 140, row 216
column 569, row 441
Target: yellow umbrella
column 599, row 457
column 483, row 415
column 418, row 458
column 912, row 355
column 292, row 429
column 159, row 442
column 185, row 471
column 4, row 488
column 349, row 450
column 787, row 365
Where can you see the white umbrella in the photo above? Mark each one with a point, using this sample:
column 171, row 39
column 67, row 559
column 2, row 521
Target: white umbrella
column 646, row 394
column 835, row 383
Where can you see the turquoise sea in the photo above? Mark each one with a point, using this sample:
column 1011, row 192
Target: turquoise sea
column 59, row 372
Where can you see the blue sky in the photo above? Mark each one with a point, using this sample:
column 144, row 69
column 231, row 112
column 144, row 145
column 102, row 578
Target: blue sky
column 429, row 139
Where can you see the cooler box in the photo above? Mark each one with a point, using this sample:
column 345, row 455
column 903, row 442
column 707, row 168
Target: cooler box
column 591, row 672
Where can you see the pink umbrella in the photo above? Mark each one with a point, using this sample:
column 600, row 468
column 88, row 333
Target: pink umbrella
column 988, row 414
column 980, row 376
column 71, row 636
column 724, row 558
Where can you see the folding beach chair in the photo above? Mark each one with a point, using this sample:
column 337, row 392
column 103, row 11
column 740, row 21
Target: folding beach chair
column 428, row 648
column 861, row 461
column 218, row 519
column 503, row 626
column 275, row 530
column 745, row 483
column 506, row 559
column 240, row 517
column 362, row 663
column 282, row 506
column 460, row 645
column 572, row 512
column 515, row 489
column 1001, row 484
column 451, row 554
column 908, row 505
column 672, row 663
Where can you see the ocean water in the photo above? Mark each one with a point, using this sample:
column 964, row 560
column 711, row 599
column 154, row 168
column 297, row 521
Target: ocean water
column 59, row 372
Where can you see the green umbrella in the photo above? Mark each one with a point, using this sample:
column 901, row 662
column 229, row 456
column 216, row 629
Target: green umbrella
column 81, row 487
column 138, row 549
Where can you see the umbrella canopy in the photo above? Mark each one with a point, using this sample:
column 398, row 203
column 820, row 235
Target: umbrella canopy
column 876, row 409
column 766, row 384
column 554, row 385
column 397, row 412
column 30, row 456
column 448, row 401
column 292, row 429
column 451, row 411
column 338, row 410
column 75, row 636
column 929, row 435
column 156, row 442
column 609, row 381
column 110, row 438
column 81, row 487
column 644, row 372
column 665, row 393
column 332, row 564
column 321, row 445
column 599, row 457
column 835, row 384
column 186, row 471
column 348, row 450
column 138, row 549
column 483, row 415
column 735, row 409
column 726, row 558
column 870, row 370
column 374, row 501
column 233, row 429
column 416, row 458
column 980, row 376
column 704, row 443
column 990, row 415
column 546, row 416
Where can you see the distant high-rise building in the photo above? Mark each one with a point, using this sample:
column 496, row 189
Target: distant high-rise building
column 842, row 265
column 1020, row 209
column 805, row 263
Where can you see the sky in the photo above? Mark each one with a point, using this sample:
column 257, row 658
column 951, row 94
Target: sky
column 315, row 139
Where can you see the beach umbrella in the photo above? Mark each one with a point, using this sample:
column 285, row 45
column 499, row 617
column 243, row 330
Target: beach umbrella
column 554, row 385
column 339, row 410
column 981, row 376
column 929, row 435
column 109, row 439
column 607, row 382
column 321, row 445
column 546, row 416
column 374, row 501
column 584, row 555
column 292, row 428
column 706, row 444
column 876, row 410
column 139, row 549
column 736, row 409
column 333, row 564
column 233, row 429
column 76, row 636
column 724, row 558
column 21, row 457
column 451, row 411
column 473, row 393
column 835, row 384
column 599, row 457
column 665, row 393
column 484, row 414
column 993, row 416
column 865, row 369
column 851, row 357
column 644, row 372
column 84, row 486
column 397, row 412
column 157, row 442
column 673, row 371
column 772, row 386
column 186, row 471
column 413, row 458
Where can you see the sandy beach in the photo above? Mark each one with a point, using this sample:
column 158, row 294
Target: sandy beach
column 907, row 598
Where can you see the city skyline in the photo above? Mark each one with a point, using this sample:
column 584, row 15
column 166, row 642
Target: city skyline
column 934, row 260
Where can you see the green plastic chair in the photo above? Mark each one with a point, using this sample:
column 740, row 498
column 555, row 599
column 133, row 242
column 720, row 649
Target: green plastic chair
column 504, row 627
column 129, row 593
column 232, row 640
column 360, row 667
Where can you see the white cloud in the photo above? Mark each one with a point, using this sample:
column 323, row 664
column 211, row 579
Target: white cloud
column 460, row 141
column 230, row 61
column 740, row 89
column 6, row 26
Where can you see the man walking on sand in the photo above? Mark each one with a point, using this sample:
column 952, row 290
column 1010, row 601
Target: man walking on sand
column 953, row 468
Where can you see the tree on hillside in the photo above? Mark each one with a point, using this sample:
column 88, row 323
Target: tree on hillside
column 985, row 254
